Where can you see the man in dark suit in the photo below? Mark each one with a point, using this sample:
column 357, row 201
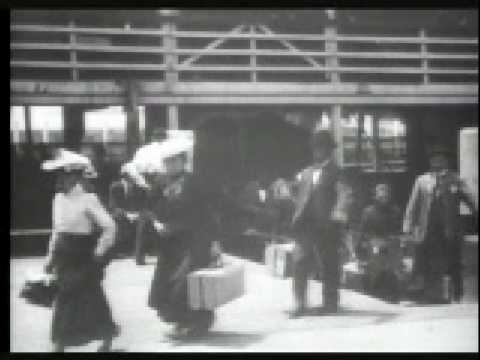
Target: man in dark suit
column 316, row 223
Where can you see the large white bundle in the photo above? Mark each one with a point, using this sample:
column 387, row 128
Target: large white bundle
column 150, row 158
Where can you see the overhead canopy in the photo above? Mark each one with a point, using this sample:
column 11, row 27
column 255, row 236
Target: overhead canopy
column 308, row 20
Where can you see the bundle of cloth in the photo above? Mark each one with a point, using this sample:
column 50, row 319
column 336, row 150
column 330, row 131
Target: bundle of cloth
column 149, row 159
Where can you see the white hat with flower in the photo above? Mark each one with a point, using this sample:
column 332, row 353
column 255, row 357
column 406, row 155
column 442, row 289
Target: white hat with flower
column 68, row 160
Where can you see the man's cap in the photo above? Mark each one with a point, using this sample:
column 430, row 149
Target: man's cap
column 323, row 138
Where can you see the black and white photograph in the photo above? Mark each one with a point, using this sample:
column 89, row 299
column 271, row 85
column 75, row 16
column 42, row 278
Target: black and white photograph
column 244, row 180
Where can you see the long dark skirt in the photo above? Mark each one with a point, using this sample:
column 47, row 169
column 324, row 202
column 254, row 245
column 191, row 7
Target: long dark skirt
column 81, row 311
column 169, row 292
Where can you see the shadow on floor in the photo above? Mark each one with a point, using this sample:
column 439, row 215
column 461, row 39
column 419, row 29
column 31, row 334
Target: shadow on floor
column 381, row 316
column 230, row 339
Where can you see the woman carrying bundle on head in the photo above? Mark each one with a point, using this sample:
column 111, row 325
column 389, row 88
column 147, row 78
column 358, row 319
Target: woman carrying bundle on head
column 183, row 219
column 77, row 257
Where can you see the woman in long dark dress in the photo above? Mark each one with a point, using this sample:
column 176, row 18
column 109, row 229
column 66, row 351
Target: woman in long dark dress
column 77, row 257
column 184, row 220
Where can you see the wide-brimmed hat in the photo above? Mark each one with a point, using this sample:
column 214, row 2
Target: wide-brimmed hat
column 323, row 138
column 66, row 160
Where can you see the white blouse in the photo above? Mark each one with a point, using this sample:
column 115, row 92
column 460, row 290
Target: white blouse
column 77, row 212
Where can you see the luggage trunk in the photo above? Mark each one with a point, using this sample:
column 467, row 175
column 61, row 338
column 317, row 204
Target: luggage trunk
column 210, row 288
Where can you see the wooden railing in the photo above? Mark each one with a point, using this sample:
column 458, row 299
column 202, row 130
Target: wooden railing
column 331, row 56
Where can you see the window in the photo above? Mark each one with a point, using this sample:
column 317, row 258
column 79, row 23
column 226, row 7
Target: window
column 17, row 124
column 109, row 126
column 358, row 148
column 375, row 143
column 105, row 125
column 322, row 121
column 392, row 144
column 47, row 124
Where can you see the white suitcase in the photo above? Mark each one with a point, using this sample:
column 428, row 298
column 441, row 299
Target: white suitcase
column 210, row 288
column 270, row 258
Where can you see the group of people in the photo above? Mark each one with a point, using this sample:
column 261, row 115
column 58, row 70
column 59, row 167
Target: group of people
column 85, row 236
column 180, row 213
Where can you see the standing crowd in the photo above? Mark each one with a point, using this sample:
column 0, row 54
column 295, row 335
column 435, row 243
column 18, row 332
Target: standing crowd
column 157, row 198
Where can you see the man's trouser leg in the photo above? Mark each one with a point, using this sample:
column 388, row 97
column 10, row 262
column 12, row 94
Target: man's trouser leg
column 302, row 263
column 455, row 269
column 330, row 244
column 436, row 267
column 140, row 238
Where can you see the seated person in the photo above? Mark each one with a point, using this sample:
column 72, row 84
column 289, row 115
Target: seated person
column 280, row 202
column 379, row 244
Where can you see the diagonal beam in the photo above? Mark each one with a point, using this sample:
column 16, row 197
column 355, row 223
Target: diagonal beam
column 291, row 47
column 213, row 45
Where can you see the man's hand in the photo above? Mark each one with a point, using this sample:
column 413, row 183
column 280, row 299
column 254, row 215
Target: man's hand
column 215, row 249
column 131, row 216
column 215, row 254
column 159, row 227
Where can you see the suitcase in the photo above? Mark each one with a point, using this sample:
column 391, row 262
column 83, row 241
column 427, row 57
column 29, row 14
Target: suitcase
column 39, row 289
column 210, row 288
column 279, row 259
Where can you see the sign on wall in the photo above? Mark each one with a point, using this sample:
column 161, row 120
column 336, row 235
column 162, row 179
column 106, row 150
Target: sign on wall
column 468, row 160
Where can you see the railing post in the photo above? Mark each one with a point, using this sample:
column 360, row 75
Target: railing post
column 253, row 58
column 28, row 126
column 73, row 52
column 336, row 129
column 133, row 131
column 424, row 53
column 376, row 143
column 171, row 59
column 171, row 74
column 331, row 47
column 172, row 116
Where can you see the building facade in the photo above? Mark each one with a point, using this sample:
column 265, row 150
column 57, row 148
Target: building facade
column 384, row 81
